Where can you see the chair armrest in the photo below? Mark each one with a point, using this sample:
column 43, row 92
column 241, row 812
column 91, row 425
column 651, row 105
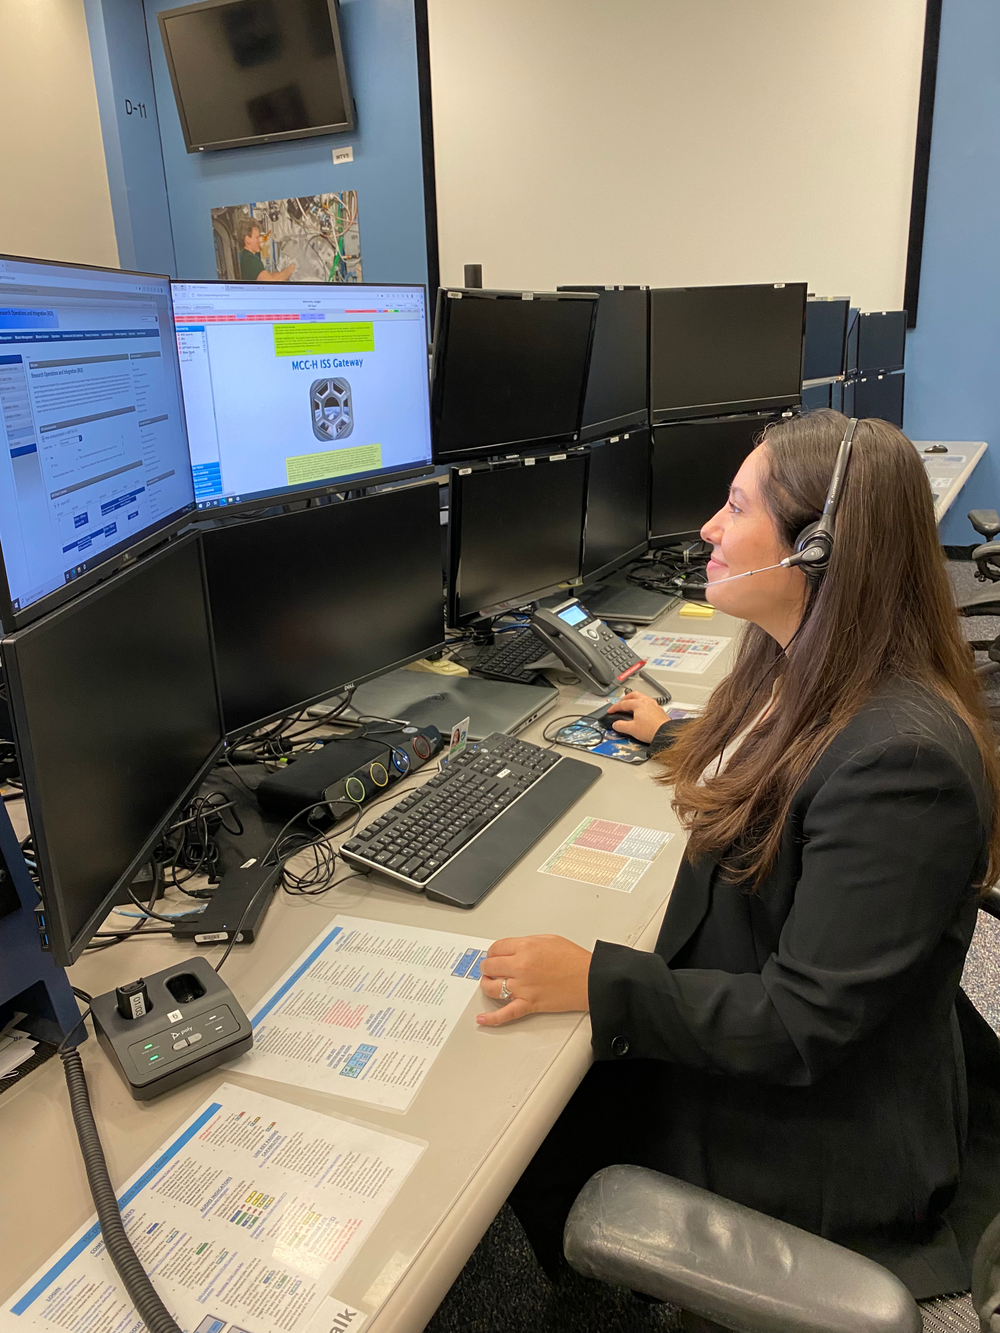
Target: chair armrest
column 654, row 1234
column 985, row 521
column 982, row 602
column 990, row 901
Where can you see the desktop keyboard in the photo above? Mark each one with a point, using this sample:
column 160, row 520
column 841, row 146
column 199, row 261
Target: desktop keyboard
column 507, row 660
column 457, row 835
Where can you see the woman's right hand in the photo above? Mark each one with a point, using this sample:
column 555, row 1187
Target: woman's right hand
column 646, row 720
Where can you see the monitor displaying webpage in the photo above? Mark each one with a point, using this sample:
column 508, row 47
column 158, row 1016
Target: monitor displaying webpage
column 292, row 386
column 93, row 450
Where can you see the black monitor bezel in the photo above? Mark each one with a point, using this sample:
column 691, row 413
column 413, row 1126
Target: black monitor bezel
column 595, row 432
column 64, row 949
column 505, row 447
column 19, row 618
column 455, row 618
column 895, row 377
column 612, row 566
column 340, row 127
column 657, row 541
column 900, row 319
column 309, row 490
column 780, row 402
column 827, row 301
column 237, row 734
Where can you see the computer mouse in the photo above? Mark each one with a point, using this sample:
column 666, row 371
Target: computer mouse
column 624, row 628
column 936, row 449
column 607, row 719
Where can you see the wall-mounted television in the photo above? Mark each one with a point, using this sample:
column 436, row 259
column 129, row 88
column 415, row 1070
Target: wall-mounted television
column 256, row 71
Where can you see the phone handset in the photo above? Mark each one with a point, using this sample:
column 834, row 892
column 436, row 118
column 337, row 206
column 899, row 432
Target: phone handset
column 586, row 645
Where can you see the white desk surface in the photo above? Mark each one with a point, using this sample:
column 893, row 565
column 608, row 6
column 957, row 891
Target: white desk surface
column 949, row 471
column 488, row 1102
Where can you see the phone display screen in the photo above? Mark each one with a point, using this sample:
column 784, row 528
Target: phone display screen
column 573, row 615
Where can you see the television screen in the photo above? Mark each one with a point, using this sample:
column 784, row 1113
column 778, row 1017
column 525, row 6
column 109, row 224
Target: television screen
column 253, row 71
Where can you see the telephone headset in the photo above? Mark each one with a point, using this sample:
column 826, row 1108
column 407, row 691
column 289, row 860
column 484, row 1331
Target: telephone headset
column 814, row 544
column 813, row 549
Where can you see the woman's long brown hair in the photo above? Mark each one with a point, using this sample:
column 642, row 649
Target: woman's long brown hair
column 884, row 611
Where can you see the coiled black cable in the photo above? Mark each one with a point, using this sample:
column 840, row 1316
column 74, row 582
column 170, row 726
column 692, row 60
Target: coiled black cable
column 142, row 1293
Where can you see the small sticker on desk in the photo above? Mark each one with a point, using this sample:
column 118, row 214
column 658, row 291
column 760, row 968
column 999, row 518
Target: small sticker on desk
column 606, row 853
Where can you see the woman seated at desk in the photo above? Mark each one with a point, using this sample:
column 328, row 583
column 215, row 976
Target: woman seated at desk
column 792, row 1043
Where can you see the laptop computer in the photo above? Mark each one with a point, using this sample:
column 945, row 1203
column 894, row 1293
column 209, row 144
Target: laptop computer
column 422, row 698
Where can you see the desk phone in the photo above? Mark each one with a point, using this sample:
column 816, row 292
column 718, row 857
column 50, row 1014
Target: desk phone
column 586, row 645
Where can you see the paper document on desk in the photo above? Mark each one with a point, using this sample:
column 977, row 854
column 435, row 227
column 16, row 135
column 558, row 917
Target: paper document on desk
column 365, row 1010
column 690, row 653
column 242, row 1221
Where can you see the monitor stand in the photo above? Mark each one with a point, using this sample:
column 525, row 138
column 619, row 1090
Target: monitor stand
column 443, row 701
column 614, row 598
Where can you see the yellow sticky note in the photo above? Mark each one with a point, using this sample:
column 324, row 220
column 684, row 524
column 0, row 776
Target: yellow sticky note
column 295, row 339
column 698, row 610
column 332, row 463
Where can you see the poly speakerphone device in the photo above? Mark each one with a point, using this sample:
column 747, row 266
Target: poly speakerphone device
column 161, row 1031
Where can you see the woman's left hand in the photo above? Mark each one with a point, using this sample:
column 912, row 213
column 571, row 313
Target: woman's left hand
column 545, row 974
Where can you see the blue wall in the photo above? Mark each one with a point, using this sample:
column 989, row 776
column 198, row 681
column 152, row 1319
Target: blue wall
column 953, row 355
column 127, row 104
column 380, row 51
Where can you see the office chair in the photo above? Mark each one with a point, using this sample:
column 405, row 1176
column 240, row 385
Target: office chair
column 731, row 1268
column 985, row 602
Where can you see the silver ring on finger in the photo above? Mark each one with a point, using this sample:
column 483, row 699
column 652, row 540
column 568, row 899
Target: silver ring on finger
column 505, row 994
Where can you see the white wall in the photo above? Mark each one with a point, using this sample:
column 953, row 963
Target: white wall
column 676, row 142
column 54, row 198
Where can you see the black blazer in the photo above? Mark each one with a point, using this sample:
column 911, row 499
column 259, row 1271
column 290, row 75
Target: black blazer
column 799, row 1046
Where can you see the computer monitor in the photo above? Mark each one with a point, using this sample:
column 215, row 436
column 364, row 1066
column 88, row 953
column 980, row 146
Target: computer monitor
column 509, row 370
column 617, row 383
column 693, row 465
column 309, row 603
column 719, row 350
column 94, row 464
column 516, row 534
column 826, row 337
column 617, row 522
column 881, row 396
column 816, row 396
column 295, row 389
column 881, row 340
column 116, row 712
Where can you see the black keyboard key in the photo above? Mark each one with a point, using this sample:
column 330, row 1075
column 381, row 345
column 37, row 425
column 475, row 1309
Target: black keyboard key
column 462, row 837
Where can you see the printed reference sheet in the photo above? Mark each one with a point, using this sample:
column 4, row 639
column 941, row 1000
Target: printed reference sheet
column 365, row 1010
column 242, row 1221
column 690, row 653
column 608, row 854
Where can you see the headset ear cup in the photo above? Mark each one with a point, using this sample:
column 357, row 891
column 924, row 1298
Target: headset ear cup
column 815, row 534
column 802, row 540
